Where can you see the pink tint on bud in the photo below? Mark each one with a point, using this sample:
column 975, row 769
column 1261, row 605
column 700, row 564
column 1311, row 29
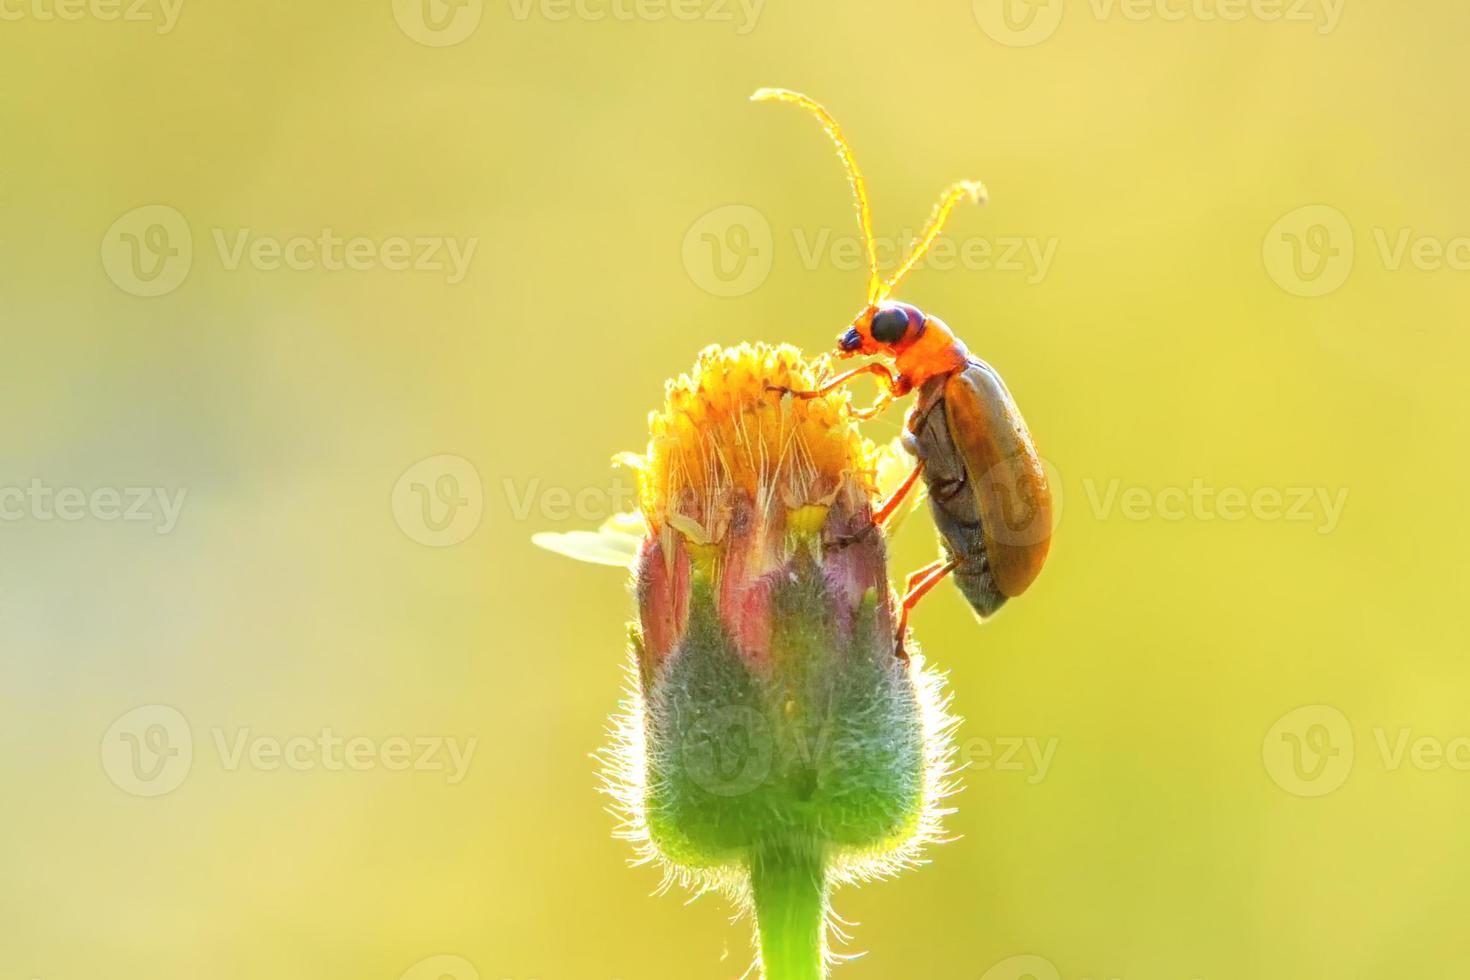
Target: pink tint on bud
column 663, row 597
column 745, row 608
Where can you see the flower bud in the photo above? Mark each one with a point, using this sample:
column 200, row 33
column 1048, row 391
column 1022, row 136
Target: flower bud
column 775, row 745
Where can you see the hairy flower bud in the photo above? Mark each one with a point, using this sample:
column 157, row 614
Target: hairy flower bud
column 775, row 746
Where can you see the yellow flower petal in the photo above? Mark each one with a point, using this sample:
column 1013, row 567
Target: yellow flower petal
column 727, row 431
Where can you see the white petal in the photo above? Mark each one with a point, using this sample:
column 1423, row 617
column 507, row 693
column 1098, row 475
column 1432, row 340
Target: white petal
column 603, row 547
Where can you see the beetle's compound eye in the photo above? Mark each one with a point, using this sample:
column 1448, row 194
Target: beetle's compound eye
column 889, row 325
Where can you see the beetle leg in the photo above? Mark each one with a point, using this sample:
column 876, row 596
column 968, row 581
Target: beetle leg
column 894, row 387
column 921, row 574
column 873, row 367
column 916, row 587
column 874, row 410
column 882, row 515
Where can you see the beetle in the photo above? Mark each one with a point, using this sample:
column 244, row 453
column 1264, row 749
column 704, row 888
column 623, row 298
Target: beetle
column 987, row 488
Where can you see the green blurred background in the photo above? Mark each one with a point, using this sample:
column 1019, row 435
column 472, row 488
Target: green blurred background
column 627, row 206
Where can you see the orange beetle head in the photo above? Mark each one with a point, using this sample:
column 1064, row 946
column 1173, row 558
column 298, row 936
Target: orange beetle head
column 889, row 328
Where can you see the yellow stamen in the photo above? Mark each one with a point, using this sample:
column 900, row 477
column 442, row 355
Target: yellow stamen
column 731, row 436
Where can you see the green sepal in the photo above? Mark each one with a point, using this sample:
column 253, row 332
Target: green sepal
column 818, row 747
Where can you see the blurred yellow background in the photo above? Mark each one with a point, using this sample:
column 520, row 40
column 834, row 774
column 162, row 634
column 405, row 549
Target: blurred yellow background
column 480, row 236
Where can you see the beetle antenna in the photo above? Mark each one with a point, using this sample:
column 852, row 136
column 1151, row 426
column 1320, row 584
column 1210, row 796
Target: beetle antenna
column 952, row 196
column 877, row 289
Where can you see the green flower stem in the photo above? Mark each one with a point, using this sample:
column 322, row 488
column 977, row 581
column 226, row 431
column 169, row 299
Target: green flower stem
column 790, row 909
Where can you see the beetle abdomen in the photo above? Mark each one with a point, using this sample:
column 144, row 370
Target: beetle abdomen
column 972, row 575
column 979, row 589
column 1012, row 498
column 952, row 501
